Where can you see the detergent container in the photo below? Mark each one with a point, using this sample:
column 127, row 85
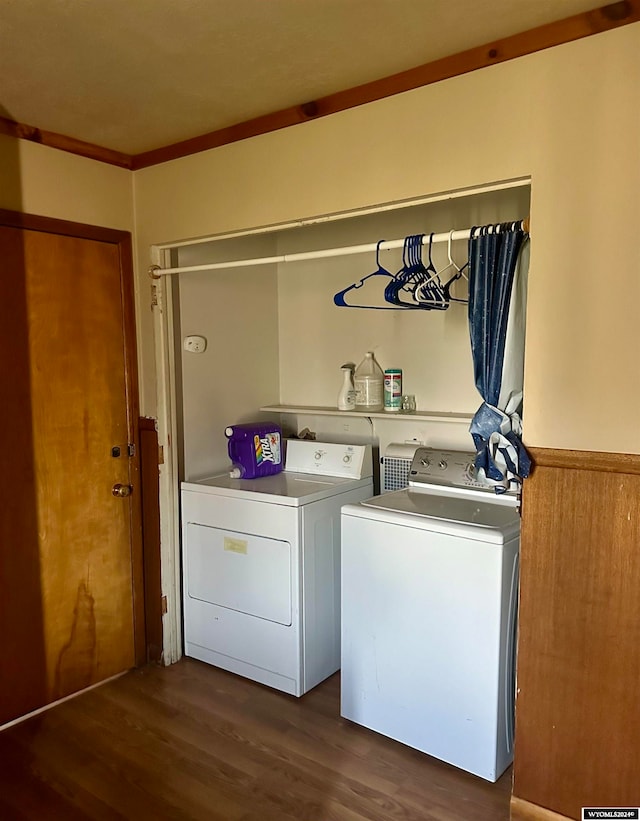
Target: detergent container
column 369, row 382
column 255, row 449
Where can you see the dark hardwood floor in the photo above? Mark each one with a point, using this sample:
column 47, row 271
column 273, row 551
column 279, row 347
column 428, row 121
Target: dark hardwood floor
column 193, row 742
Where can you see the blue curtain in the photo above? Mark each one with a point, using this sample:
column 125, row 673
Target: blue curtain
column 497, row 297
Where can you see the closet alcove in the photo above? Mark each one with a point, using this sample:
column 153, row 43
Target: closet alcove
column 276, row 338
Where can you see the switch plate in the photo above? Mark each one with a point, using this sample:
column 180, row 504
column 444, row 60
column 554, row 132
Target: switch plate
column 195, row 344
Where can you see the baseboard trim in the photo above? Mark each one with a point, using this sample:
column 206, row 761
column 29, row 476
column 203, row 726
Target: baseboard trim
column 522, row 810
column 59, row 701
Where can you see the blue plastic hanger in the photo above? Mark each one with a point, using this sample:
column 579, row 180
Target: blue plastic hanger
column 402, row 280
column 414, row 275
column 430, row 293
column 339, row 298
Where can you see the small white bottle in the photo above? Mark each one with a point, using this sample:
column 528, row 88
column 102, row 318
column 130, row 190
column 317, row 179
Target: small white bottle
column 347, row 394
column 369, row 383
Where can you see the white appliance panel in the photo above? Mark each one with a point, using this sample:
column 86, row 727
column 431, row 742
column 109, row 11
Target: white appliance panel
column 261, row 650
column 321, row 585
column 240, row 571
column 329, row 459
column 425, row 639
column 234, row 513
column 243, row 630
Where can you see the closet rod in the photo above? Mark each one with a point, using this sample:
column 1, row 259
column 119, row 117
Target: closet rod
column 154, row 271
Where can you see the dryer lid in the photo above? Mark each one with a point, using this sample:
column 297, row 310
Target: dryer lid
column 284, row 488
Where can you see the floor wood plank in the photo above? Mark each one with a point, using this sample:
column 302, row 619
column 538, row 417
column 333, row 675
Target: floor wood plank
column 192, row 742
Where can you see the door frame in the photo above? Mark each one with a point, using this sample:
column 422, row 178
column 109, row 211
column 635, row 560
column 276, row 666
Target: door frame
column 168, row 471
column 122, row 240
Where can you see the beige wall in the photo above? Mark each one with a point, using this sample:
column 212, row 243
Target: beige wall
column 350, row 160
column 569, row 117
column 44, row 181
column 275, row 335
column 238, row 372
column 39, row 180
column 432, row 348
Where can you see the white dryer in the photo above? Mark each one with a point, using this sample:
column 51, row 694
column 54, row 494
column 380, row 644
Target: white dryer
column 261, row 565
column 429, row 599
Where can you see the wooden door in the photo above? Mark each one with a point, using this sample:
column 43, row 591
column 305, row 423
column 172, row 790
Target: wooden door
column 71, row 605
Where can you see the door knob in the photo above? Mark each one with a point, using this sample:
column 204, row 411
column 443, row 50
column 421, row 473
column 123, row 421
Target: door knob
column 121, row 490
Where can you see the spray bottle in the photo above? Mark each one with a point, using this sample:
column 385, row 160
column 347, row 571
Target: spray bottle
column 347, row 394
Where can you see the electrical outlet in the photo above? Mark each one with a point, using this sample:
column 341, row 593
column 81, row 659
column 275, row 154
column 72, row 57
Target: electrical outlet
column 195, row 344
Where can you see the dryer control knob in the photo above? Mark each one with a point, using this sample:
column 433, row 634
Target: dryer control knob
column 425, row 463
column 318, row 454
column 346, row 458
column 442, row 464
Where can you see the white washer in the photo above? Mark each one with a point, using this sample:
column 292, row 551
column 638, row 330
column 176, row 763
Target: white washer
column 261, row 565
column 429, row 599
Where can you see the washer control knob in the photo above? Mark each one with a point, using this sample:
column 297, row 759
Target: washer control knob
column 442, row 464
column 318, row 454
column 425, row 463
column 470, row 471
column 346, row 458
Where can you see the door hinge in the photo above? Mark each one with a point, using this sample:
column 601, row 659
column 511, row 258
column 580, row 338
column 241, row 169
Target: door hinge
column 161, row 454
column 131, row 449
column 163, row 605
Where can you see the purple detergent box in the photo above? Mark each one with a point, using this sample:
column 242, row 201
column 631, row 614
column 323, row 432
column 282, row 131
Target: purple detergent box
column 255, row 448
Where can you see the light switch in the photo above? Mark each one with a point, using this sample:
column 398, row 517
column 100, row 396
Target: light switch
column 195, row 344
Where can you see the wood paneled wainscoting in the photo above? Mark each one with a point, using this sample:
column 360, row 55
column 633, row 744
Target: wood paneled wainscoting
column 577, row 712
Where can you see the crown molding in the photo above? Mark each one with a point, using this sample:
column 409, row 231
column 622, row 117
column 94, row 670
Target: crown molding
column 64, row 143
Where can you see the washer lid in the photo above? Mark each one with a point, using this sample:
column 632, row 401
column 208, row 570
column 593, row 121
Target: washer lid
column 440, row 511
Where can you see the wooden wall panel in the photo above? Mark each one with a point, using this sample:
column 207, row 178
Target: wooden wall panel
column 577, row 713
column 19, row 538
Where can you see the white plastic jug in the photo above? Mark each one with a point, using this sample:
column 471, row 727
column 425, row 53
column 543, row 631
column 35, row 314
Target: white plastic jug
column 369, row 385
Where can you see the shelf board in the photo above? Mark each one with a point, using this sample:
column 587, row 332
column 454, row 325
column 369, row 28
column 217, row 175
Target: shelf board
column 418, row 415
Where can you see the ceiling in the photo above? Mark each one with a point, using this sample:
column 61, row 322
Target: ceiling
column 135, row 75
